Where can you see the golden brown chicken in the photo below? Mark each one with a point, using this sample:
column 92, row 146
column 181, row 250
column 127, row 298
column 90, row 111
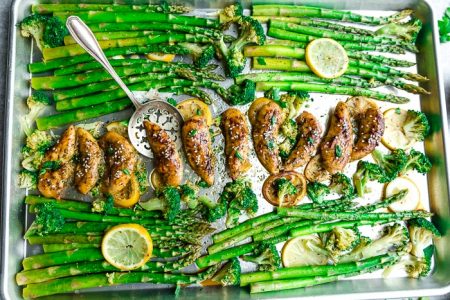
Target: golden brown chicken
column 197, row 145
column 166, row 157
column 265, row 132
column 309, row 131
column 89, row 161
column 235, row 131
column 57, row 166
column 120, row 158
column 369, row 122
column 337, row 144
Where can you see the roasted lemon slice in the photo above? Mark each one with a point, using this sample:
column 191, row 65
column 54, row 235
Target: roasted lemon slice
column 195, row 107
column 128, row 196
column 326, row 58
column 255, row 107
column 297, row 252
column 127, row 246
column 396, row 134
column 410, row 201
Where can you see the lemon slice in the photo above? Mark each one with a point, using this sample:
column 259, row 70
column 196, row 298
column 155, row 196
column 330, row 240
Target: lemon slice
column 394, row 137
column 326, row 58
column 195, row 107
column 255, row 107
column 155, row 180
column 120, row 127
column 297, row 252
column 161, row 57
column 128, row 196
column 410, row 201
column 127, row 246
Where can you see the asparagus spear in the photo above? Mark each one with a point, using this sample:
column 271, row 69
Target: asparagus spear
column 138, row 17
column 73, row 50
column 74, row 283
column 385, row 69
column 296, row 50
column 42, row 8
column 277, row 285
column 64, row 239
column 323, row 13
column 63, row 257
column 61, row 63
column 311, row 271
column 110, row 27
column 301, row 66
column 341, row 36
column 89, row 66
column 86, row 113
column 215, row 258
column 49, row 248
column 315, row 23
column 298, row 37
column 105, row 36
column 305, row 77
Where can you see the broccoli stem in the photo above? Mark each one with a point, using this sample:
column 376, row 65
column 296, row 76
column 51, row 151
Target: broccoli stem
column 277, row 285
column 311, row 271
column 138, row 17
column 298, row 51
column 73, row 50
column 73, row 283
column 328, row 89
column 306, row 78
column 323, row 13
column 298, row 37
column 316, row 23
column 62, row 63
column 350, row 216
column 42, row 8
column 301, row 66
column 342, row 36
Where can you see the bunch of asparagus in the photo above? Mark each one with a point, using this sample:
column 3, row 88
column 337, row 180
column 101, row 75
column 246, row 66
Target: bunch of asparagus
column 293, row 27
column 72, row 252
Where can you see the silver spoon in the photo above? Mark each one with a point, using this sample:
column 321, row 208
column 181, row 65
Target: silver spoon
column 136, row 132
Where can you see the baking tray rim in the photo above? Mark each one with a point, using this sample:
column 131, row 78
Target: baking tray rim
column 7, row 154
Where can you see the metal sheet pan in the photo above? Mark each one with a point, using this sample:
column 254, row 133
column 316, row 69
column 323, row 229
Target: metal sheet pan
column 14, row 216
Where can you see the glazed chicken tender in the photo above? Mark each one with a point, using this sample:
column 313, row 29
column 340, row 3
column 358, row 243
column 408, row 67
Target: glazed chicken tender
column 235, row 131
column 90, row 159
column 166, row 157
column 54, row 180
column 265, row 132
column 309, row 131
column 120, row 160
column 337, row 144
column 197, row 145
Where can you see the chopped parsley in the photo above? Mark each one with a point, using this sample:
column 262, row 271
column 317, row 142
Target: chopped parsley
column 198, row 112
column 202, row 184
column 270, row 145
column 192, row 133
column 172, row 101
column 50, row 165
column 338, row 151
column 110, row 150
column 310, row 140
column 273, row 120
column 126, row 171
column 238, row 155
column 261, row 61
column 398, row 111
column 444, row 26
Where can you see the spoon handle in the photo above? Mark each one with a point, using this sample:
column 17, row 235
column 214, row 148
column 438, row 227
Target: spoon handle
column 86, row 39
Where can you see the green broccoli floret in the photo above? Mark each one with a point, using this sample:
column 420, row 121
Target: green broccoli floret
column 141, row 175
column 285, row 148
column 414, row 266
column 96, row 129
column 37, row 103
column 289, row 130
column 292, row 102
column 341, row 240
column 407, row 31
column 416, row 125
column 48, row 218
column 317, row 191
column 273, row 93
column 239, row 94
column 40, row 141
column 342, row 185
column 421, row 232
column 230, row 14
column 416, row 161
column 201, row 55
column 168, row 201
column 366, row 172
column 266, row 256
column 189, row 194
column 250, row 32
column 28, row 179
column 395, row 238
column 283, row 188
column 311, row 250
column 214, row 211
column 48, row 31
column 105, row 206
column 392, row 163
column 240, row 197
column 229, row 274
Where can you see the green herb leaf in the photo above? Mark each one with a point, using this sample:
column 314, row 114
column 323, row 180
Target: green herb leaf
column 273, row 120
column 310, row 140
column 444, row 27
column 398, row 111
column 126, row 171
column 202, row 184
column 51, row 165
column 270, row 145
column 198, row 112
column 261, row 61
column 338, row 151
column 192, row 133
column 172, row 101
column 238, row 155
